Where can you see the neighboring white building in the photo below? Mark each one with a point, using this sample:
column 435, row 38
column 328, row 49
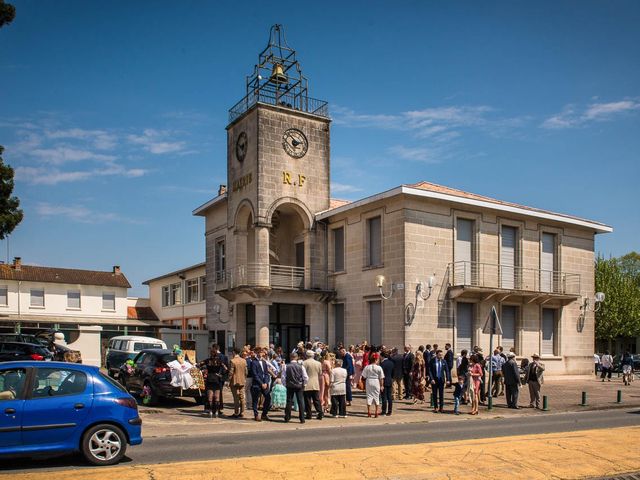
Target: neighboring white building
column 34, row 298
column 178, row 300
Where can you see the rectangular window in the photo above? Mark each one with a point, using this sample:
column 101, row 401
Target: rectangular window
column 463, row 253
column 464, row 326
column 108, row 301
column 338, row 249
column 547, row 262
column 37, row 297
column 175, row 294
column 220, row 260
column 73, row 299
column 165, row 296
column 193, row 294
column 203, row 288
column 375, row 322
column 549, row 332
column 508, row 321
column 374, row 242
column 4, row 295
column 338, row 315
column 250, row 322
column 508, row 257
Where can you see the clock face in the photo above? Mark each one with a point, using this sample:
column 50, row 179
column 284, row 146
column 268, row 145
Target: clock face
column 295, row 143
column 241, row 146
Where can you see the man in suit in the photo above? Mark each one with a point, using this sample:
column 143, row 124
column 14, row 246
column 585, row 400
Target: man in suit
column 294, row 378
column 312, row 388
column 533, row 377
column 387, row 394
column 448, row 356
column 511, row 376
column 407, row 366
column 347, row 364
column 261, row 380
column 397, row 359
column 440, row 376
column 237, row 380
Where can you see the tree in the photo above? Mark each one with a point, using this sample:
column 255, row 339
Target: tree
column 619, row 314
column 7, row 13
column 10, row 214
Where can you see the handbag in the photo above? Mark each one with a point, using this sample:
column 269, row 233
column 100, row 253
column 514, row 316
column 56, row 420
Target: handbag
column 361, row 384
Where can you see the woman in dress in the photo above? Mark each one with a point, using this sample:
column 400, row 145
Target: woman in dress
column 327, row 365
column 216, row 375
column 357, row 361
column 476, row 378
column 374, row 383
column 418, row 379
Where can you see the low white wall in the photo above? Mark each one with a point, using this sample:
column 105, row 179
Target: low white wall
column 89, row 345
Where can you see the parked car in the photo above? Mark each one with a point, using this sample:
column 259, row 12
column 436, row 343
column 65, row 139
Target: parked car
column 126, row 347
column 11, row 351
column 45, row 338
column 22, row 338
column 150, row 370
column 58, row 407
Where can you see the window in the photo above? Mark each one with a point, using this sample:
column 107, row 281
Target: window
column 37, row 297
column 508, row 320
column 139, row 346
column 549, row 332
column 108, row 301
column 193, row 287
column 374, row 242
column 165, row 296
column 508, row 257
column 338, row 315
column 547, row 262
column 175, row 294
column 12, row 383
column 338, row 249
column 220, row 259
column 203, row 288
column 73, row 299
column 375, row 322
column 464, row 326
column 463, row 252
column 56, row 382
column 4, row 296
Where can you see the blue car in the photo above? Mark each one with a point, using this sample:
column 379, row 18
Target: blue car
column 57, row 407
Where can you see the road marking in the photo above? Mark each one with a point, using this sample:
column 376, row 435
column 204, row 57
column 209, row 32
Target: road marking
column 583, row 454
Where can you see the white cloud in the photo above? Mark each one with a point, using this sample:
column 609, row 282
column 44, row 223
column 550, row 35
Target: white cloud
column 62, row 154
column 572, row 116
column 155, row 142
column 101, row 139
column 79, row 213
column 54, row 176
column 416, row 154
column 341, row 188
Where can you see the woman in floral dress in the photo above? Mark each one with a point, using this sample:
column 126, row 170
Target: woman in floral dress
column 418, row 379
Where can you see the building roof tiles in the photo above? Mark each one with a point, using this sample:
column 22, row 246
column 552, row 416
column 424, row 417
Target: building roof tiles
column 32, row 273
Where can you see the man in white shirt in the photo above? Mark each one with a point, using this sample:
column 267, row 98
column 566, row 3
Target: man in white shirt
column 596, row 362
column 606, row 365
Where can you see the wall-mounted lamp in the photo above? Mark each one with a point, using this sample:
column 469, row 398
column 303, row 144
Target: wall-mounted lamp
column 420, row 288
column 587, row 306
column 380, row 283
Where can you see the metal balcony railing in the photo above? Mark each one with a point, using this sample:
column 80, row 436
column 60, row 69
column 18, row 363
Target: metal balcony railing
column 296, row 102
column 510, row 277
column 276, row 276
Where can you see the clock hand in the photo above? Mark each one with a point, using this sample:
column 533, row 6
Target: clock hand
column 294, row 142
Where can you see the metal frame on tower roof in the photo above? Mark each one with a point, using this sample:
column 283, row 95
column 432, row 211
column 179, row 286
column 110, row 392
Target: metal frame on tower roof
column 277, row 80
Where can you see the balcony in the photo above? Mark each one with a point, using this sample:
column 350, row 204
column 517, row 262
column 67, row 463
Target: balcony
column 301, row 103
column 487, row 280
column 283, row 277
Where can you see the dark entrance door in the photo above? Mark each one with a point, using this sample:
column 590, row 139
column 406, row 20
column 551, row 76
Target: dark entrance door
column 287, row 326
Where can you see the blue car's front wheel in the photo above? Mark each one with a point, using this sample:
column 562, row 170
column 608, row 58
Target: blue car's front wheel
column 104, row 444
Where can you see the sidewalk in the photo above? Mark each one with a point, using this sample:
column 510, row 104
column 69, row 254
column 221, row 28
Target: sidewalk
column 184, row 417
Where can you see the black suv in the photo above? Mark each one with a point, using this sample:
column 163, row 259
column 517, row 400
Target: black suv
column 150, row 369
column 10, row 351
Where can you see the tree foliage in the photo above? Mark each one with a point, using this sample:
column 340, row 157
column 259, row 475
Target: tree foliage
column 619, row 279
column 7, row 13
column 10, row 214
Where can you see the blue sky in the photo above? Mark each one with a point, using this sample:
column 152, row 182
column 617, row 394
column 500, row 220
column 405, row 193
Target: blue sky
column 113, row 113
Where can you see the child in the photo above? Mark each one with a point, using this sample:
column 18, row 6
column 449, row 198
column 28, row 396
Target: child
column 457, row 394
column 278, row 395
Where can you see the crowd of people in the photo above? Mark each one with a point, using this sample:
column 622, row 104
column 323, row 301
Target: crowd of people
column 320, row 380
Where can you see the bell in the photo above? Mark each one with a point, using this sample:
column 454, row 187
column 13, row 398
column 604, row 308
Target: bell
column 277, row 75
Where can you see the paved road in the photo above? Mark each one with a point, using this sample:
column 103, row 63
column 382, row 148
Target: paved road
column 177, row 448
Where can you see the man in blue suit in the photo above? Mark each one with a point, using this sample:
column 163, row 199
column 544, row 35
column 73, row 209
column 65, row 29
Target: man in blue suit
column 347, row 364
column 440, row 375
column 261, row 381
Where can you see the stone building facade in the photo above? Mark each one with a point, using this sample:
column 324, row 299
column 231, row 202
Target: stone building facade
column 293, row 264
